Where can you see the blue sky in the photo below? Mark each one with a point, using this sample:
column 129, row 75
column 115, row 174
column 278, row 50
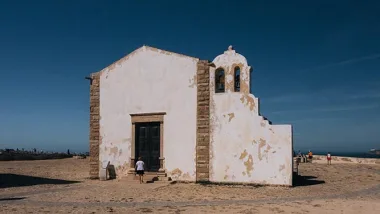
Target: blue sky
column 316, row 63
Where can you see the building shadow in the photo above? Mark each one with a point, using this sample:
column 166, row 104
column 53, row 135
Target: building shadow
column 235, row 184
column 12, row 199
column 14, row 180
column 300, row 180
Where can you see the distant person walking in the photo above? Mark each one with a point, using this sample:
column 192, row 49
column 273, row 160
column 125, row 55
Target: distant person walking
column 140, row 169
column 310, row 156
column 328, row 158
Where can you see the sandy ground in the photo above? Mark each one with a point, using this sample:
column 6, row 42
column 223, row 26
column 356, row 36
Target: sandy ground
column 62, row 186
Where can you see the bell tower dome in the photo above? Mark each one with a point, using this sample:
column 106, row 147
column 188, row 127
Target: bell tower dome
column 232, row 73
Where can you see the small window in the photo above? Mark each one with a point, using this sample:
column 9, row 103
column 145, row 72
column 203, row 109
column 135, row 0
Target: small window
column 219, row 80
column 237, row 79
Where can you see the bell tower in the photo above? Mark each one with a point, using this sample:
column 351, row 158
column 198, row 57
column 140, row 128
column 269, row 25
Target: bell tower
column 232, row 73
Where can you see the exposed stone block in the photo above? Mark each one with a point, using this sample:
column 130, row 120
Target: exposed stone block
column 203, row 121
column 203, row 176
column 205, row 142
column 203, row 170
column 94, row 138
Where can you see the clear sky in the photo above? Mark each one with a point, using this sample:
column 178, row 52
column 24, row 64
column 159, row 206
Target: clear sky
column 316, row 63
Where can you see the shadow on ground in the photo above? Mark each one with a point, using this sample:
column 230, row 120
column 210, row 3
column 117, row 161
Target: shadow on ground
column 306, row 181
column 13, row 180
column 11, row 199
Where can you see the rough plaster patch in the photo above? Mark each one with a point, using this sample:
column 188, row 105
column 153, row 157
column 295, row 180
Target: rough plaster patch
column 271, row 130
column 266, row 151
column 262, row 142
column 248, row 101
column 249, row 165
column 261, row 145
column 186, row 176
column 114, row 150
column 268, row 148
column 125, row 140
column 244, row 84
column 176, row 173
column 226, row 171
column 282, row 167
column 193, row 81
column 243, row 155
column 121, row 169
column 231, row 115
column 227, row 168
column 229, row 82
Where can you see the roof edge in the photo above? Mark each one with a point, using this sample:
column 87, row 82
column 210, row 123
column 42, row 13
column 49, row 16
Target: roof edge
column 169, row 52
column 111, row 66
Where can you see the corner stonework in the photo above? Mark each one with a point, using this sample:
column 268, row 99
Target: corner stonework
column 203, row 122
column 94, row 125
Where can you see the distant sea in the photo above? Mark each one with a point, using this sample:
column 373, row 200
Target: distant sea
column 346, row 154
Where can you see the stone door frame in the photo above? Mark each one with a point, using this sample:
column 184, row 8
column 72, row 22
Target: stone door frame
column 147, row 118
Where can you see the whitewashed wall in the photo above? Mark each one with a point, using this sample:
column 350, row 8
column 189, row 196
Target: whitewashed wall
column 146, row 81
column 244, row 146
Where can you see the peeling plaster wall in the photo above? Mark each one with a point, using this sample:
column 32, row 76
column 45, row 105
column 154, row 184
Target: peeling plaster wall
column 244, row 146
column 150, row 80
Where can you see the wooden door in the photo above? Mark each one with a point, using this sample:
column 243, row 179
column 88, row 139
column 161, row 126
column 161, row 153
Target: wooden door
column 147, row 137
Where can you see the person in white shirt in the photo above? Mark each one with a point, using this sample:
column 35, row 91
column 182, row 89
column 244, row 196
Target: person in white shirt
column 140, row 169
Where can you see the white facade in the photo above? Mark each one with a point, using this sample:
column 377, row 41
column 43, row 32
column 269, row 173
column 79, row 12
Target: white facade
column 150, row 80
column 244, row 147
